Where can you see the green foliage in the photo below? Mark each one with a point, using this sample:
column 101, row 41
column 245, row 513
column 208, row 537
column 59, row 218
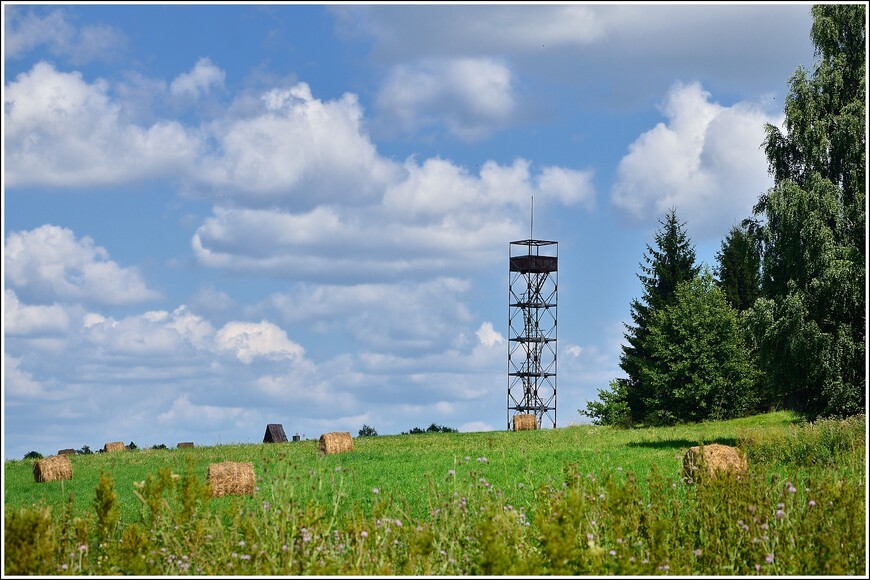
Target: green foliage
column 666, row 266
column 85, row 450
column 739, row 269
column 367, row 431
column 433, row 428
column 810, row 330
column 611, row 408
column 33, row 455
column 160, row 446
column 30, row 543
column 106, row 508
column 698, row 366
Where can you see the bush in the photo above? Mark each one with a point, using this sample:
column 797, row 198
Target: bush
column 367, row 431
column 33, row 455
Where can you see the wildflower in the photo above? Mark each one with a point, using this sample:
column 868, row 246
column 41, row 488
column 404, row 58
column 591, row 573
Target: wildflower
column 443, row 553
column 451, row 472
column 589, row 537
column 697, row 552
column 780, row 514
column 619, row 469
column 241, row 543
column 619, row 540
column 764, row 526
column 631, row 559
column 664, row 567
column 364, row 534
column 593, row 523
column 234, row 555
column 757, row 567
column 780, row 505
column 338, row 468
column 245, row 557
column 84, row 548
column 769, row 559
column 751, row 508
column 376, row 491
column 812, row 503
column 520, row 485
column 467, row 458
column 284, row 548
column 266, row 505
column 612, row 552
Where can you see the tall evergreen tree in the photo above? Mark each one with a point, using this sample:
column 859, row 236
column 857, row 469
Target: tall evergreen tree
column 739, row 268
column 671, row 262
column 810, row 323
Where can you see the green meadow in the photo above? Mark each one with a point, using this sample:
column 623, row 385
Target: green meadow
column 573, row 500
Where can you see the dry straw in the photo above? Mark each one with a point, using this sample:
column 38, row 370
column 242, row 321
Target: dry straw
column 525, row 422
column 716, row 459
column 54, row 468
column 112, row 447
column 67, row 452
column 331, row 443
column 231, row 478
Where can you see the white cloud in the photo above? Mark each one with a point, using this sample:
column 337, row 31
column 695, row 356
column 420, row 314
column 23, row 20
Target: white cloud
column 475, row 427
column 251, row 340
column 488, row 336
column 19, row 383
column 295, row 150
column 155, row 334
column 705, row 161
column 26, row 30
column 200, row 80
column 471, row 97
column 22, row 319
column 194, row 416
column 438, row 219
column 62, row 131
column 50, row 264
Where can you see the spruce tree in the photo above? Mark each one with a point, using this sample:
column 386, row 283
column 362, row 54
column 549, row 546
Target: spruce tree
column 664, row 267
column 739, row 270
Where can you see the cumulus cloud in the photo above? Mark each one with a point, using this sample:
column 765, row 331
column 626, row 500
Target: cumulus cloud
column 19, row 383
column 471, row 97
column 438, row 219
column 197, row 416
column 297, row 149
column 200, row 80
column 251, row 340
column 49, row 263
column 705, row 160
column 63, row 131
column 22, row 319
column 488, row 336
column 26, row 30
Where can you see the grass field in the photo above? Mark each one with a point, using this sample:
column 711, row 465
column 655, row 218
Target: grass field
column 574, row 500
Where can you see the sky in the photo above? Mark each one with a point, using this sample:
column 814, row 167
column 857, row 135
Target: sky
column 217, row 217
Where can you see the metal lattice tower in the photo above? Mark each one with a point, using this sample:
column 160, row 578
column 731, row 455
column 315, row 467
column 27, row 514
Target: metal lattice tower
column 532, row 317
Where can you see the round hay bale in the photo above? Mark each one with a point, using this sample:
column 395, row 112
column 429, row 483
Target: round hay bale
column 67, row 452
column 54, row 468
column 184, row 444
column 527, row 422
column 116, row 446
column 712, row 460
column 339, row 442
column 231, row 478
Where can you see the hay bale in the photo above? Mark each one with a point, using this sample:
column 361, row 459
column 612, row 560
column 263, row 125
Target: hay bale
column 274, row 434
column 54, row 468
column 231, row 478
column 331, row 443
column 184, row 444
column 527, row 422
column 715, row 460
column 67, row 452
column 116, row 446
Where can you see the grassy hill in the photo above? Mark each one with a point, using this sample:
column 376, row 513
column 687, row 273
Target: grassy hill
column 573, row 500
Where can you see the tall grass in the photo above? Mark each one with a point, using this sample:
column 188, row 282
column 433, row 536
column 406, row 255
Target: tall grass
column 579, row 500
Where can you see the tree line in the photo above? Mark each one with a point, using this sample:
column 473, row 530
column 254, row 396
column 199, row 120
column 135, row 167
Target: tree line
column 780, row 322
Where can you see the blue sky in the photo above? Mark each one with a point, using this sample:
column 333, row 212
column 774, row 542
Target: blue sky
column 222, row 216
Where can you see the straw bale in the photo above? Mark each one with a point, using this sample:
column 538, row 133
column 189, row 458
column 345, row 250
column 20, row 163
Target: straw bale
column 231, row 478
column 338, row 442
column 525, row 422
column 67, row 452
column 116, row 446
column 54, row 468
column 716, row 460
column 184, row 444
column 274, row 434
